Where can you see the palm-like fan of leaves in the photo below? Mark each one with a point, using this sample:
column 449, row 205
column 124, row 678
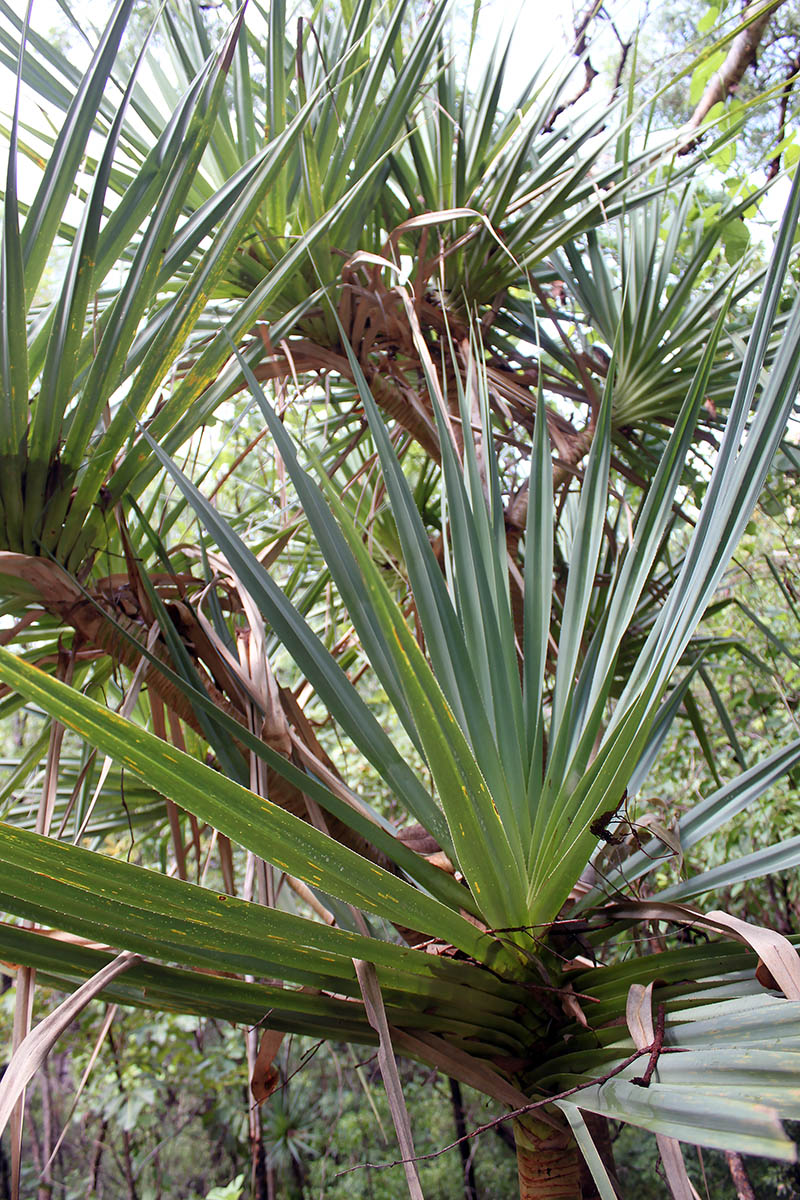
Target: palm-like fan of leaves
column 508, row 689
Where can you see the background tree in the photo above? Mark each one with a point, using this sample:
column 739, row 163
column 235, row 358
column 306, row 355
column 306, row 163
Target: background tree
column 761, row 61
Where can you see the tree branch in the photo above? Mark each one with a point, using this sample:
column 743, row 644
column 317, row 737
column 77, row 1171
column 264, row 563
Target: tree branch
column 740, row 56
column 744, row 1188
column 791, row 78
column 580, row 48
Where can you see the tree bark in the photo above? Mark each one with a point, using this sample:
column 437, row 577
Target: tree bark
column 45, row 1184
column 741, row 54
column 127, row 1158
column 127, row 1154
column 548, row 1163
column 741, row 1181
column 259, row 1173
column 5, row 1175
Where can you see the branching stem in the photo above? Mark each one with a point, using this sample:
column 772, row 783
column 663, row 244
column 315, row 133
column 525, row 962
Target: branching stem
column 654, row 1050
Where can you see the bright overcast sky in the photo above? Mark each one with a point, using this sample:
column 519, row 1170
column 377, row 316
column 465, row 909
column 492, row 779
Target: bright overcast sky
column 537, row 28
column 539, row 25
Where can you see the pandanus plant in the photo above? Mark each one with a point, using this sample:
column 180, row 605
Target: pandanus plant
column 531, row 676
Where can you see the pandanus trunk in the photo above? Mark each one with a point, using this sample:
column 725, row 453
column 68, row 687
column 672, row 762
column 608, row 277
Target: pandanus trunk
column 547, row 1161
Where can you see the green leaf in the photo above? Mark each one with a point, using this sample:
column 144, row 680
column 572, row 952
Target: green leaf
column 13, row 344
column 783, row 856
column 113, row 902
column 444, row 637
column 708, row 19
column 738, row 475
column 134, row 297
column 64, row 964
column 705, row 818
column 538, row 597
column 275, row 835
column 330, row 682
column 473, row 820
column 591, row 1156
column 44, row 216
column 581, row 580
column 702, row 74
column 67, row 327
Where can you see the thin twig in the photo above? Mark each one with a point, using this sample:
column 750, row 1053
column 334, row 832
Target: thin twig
column 580, row 49
column 519, row 1112
column 127, row 811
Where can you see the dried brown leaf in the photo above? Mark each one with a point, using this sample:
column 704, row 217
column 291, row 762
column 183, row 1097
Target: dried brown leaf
column 639, row 1016
column 571, row 1006
column 775, row 951
column 376, row 1015
column 266, row 1075
column 35, row 1047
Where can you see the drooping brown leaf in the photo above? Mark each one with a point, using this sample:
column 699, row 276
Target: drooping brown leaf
column 639, row 1016
column 266, row 1075
column 775, row 952
column 35, row 1047
column 376, row 1015
column 571, row 1006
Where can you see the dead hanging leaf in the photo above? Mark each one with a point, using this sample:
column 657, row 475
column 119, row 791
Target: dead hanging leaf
column 639, row 1018
column 441, row 861
column 34, row 1048
column 776, row 953
column 600, row 828
column 376, row 1015
column 266, row 1075
column 571, row 1006
column 417, row 838
column 674, row 1166
column 669, row 836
